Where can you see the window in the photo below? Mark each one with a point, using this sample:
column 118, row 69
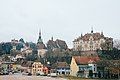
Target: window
column 39, row 66
column 94, row 69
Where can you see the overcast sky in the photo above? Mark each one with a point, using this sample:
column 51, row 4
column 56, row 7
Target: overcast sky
column 62, row 19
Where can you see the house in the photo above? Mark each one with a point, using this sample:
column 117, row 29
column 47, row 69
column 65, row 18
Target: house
column 7, row 66
column 26, row 66
column 16, row 67
column 62, row 68
column 81, row 65
column 39, row 68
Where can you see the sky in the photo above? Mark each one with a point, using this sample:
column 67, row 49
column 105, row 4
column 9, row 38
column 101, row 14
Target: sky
column 60, row 19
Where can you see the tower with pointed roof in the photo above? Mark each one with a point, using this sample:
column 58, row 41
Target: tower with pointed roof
column 40, row 43
column 39, row 39
column 91, row 29
column 41, row 46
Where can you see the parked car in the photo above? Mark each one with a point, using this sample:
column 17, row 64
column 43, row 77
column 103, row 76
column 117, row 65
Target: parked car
column 1, row 73
column 40, row 74
column 53, row 74
column 24, row 73
column 48, row 75
column 29, row 74
column 5, row 72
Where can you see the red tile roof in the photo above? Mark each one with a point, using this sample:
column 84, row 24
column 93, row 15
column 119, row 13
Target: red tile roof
column 85, row 59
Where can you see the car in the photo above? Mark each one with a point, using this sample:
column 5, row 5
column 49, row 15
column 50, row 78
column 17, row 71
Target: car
column 29, row 74
column 24, row 73
column 53, row 74
column 5, row 72
column 1, row 73
column 48, row 75
column 40, row 74
column 37, row 74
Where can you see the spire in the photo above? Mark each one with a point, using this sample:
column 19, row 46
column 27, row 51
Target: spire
column 102, row 34
column 40, row 39
column 81, row 35
column 40, row 34
column 52, row 38
column 91, row 29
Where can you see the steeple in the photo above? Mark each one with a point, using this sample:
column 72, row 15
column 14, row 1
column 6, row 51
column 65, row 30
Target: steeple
column 52, row 38
column 40, row 39
column 91, row 29
column 40, row 33
column 102, row 35
column 101, row 32
column 81, row 35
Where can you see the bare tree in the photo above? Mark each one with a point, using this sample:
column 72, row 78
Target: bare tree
column 116, row 44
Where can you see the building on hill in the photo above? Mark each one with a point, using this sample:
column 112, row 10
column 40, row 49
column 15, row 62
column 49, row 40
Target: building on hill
column 51, row 44
column 41, row 46
column 58, row 44
column 81, row 65
column 92, row 41
column 16, row 45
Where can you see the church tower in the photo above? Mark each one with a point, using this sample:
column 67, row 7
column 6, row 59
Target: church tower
column 92, row 30
column 40, row 43
column 39, row 39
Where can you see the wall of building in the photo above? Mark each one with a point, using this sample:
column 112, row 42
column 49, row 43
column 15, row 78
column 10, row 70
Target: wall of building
column 73, row 68
column 89, row 44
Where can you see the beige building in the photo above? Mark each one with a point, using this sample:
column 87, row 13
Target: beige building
column 80, row 65
column 42, row 52
column 91, row 41
column 39, row 68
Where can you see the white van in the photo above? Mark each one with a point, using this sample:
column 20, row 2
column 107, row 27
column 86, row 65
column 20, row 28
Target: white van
column 53, row 74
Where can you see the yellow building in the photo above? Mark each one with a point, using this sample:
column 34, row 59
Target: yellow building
column 39, row 68
column 73, row 67
column 16, row 67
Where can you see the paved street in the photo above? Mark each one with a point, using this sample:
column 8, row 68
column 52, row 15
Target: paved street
column 23, row 77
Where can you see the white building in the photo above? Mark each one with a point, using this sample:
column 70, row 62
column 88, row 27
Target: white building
column 42, row 52
column 91, row 41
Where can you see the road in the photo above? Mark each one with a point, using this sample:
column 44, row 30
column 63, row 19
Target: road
column 24, row 77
